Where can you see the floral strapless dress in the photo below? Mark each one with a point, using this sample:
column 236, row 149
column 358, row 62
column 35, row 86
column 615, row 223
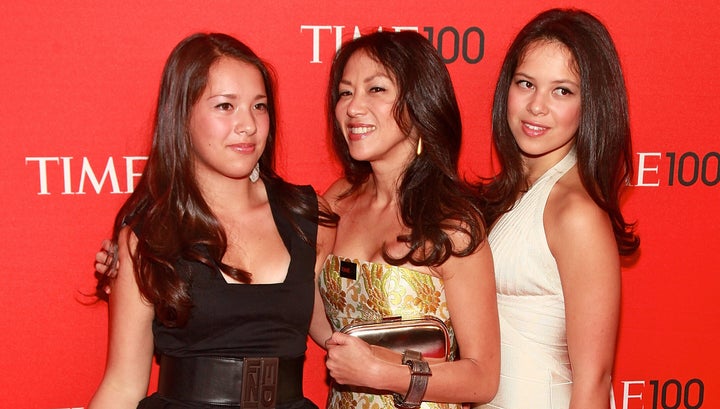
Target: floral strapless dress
column 354, row 290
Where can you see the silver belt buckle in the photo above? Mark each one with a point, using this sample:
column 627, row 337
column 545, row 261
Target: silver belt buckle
column 259, row 383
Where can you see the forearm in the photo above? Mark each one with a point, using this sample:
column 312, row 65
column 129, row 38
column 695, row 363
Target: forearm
column 319, row 334
column 320, row 329
column 591, row 393
column 463, row 380
column 109, row 396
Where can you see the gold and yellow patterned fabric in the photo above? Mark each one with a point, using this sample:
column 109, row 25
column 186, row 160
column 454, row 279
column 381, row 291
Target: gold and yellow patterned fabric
column 354, row 290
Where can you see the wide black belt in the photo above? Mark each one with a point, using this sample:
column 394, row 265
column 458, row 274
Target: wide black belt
column 257, row 383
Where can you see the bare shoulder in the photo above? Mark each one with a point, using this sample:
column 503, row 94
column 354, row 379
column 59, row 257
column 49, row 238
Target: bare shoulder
column 125, row 291
column 574, row 223
column 333, row 195
column 323, row 203
column 460, row 238
column 571, row 210
column 326, row 234
column 127, row 244
column 127, row 241
column 336, row 189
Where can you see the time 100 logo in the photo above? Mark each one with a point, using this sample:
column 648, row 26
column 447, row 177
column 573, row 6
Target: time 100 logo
column 668, row 394
column 453, row 44
column 683, row 168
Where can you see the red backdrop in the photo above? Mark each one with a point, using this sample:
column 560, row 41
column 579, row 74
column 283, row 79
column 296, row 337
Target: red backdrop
column 79, row 79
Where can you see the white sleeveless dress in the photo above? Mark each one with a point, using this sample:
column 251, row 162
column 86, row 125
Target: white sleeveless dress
column 534, row 364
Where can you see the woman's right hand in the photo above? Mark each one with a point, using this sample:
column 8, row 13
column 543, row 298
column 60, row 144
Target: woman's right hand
column 104, row 260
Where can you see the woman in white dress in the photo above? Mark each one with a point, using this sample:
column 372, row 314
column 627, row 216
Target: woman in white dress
column 562, row 135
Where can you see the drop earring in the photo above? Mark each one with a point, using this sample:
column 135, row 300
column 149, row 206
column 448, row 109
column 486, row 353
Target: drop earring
column 255, row 174
column 419, row 146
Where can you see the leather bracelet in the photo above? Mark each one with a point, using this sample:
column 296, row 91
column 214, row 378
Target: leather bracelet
column 419, row 374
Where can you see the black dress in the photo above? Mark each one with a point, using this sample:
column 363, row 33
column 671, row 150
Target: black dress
column 245, row 320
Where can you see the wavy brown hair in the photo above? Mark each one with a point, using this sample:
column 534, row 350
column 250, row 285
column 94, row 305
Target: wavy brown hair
column 602, row 140
column 167, row 211
column 433, row 199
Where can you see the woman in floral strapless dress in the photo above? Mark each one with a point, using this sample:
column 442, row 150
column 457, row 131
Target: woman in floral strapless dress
column 410, row 241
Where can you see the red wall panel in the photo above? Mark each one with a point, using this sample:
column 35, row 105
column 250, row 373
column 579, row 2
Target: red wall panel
column 79, row 80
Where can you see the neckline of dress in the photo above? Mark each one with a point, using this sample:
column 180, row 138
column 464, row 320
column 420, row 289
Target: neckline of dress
column 562, row 166
column 361, row 262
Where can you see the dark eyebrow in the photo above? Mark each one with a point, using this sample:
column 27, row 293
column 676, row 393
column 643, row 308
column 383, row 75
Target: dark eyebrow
column 368, row 79
column 556, row 82
column 235, row 96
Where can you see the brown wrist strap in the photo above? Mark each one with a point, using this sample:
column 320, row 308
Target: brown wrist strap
column 419, row 374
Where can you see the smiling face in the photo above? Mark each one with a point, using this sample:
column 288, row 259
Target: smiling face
column 229, row 123
column 365, row 112
column 544, row 104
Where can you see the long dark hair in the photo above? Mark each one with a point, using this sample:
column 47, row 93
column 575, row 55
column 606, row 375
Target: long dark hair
column 433, row 200
column 166, row 210
column 602, row 141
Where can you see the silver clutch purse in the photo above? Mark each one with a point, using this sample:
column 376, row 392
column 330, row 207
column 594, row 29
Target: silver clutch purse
column 428, row 335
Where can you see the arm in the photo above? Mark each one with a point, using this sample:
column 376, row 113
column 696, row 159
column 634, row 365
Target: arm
column 130, row 343
column 470, row 291
column 583, row 243
column 320, row 329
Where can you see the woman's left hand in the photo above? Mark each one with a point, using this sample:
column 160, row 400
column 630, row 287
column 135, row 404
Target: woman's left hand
column 350, row 360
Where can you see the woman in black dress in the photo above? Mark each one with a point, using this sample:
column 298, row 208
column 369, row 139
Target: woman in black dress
column 217, row 254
